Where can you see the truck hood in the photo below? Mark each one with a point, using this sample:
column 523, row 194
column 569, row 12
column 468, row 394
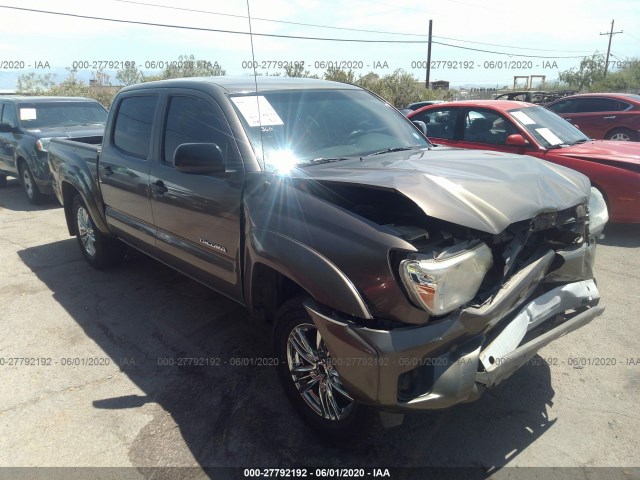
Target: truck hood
column 478, row 189
column 70, row 131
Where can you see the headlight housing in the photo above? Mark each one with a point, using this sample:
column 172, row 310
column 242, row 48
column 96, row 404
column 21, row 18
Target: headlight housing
column 598, row 213
column 43, row 144
column 447, row 279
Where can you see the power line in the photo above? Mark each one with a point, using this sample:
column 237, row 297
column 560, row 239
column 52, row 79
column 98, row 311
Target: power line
column 244, row 17
column 274, row 35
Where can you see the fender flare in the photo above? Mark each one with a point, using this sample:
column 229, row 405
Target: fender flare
column 308, row 268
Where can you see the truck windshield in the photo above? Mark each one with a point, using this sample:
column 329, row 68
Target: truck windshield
column 60, row 114
column 299, row 127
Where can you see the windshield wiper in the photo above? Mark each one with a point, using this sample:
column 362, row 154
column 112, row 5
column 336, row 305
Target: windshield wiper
column 582, row 140
column 395, row 149
column 321, row 160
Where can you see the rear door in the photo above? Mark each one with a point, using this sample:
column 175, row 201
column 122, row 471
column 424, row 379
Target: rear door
column 198, row 216
column 595, row 116
column 124, row 168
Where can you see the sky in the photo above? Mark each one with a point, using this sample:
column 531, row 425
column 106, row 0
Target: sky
column 477, row 42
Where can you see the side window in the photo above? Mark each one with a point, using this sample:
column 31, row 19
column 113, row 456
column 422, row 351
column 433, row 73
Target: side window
column 132, row 131
column 441, row 123
column 566, row 106
column 623, row 106
column 9, row 115
column 486, row 126
column 588, row 105
column 192, row 120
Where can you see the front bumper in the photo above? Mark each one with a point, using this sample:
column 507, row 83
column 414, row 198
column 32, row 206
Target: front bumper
column 452, row 360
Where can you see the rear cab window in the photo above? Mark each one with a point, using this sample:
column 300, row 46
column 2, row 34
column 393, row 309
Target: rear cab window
column 133, row 125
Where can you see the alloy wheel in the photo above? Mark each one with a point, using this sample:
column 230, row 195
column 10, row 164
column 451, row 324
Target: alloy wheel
column 314, row 374
column 86, row 231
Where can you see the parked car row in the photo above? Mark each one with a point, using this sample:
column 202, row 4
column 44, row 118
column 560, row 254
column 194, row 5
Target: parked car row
column 608, row 116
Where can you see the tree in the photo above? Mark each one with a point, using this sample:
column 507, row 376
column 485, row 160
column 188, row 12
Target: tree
column 130, row 75
column 590, row 71
column 338, row 75
column 34, row 84
column 189, row 66
column 296, row 70
column 399, row 88
column 71, row 86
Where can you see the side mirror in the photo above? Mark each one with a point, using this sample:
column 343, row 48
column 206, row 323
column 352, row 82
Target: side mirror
column 7, row 128
column 204, row 158
column 421, row 126
column 516, row 140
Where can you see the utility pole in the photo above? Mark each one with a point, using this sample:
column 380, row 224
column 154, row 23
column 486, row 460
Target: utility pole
column 611, row 34
column 426, row 83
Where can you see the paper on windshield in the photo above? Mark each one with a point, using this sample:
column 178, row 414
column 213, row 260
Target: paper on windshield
column 523, row 118
column 549, row 136
column 258, row 112
column 28, row 114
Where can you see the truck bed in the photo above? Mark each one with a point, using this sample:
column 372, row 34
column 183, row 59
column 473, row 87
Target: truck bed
column 80, row 154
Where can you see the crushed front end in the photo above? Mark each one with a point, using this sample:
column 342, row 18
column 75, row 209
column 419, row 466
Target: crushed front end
column 494, row 300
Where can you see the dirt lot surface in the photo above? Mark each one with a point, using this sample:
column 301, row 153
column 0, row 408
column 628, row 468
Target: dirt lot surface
column 105, row 394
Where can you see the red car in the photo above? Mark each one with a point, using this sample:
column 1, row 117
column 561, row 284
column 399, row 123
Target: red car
column 612, row 116
column 524, row 128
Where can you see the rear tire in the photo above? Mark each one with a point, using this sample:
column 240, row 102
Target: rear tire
column 622, row 135
column 98, row 249
column 29, row 185
column 315, row 390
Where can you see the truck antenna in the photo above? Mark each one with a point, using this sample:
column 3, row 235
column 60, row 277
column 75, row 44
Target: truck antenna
column 255, row 80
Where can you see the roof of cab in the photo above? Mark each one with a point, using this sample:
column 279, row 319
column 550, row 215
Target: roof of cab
column 43, row 99
column 247, row 84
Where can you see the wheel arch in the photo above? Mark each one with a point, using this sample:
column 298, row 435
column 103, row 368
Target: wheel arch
column 632, row 135
column 69, row 191
column 278, row 267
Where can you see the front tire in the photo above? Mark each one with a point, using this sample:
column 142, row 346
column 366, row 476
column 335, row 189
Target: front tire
column 98, row 249
column 310, row 380
column 29, row 185
column 622, row 135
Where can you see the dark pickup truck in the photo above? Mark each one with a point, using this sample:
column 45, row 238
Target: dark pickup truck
column 397, row 275
column 26, row 126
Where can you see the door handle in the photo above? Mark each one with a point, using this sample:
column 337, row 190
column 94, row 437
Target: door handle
column 108, row 170
column 609, row 118
column 159, row 187
column 568, row 119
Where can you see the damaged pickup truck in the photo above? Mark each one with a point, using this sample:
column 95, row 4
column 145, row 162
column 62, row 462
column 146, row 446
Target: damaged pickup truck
column 397, row 275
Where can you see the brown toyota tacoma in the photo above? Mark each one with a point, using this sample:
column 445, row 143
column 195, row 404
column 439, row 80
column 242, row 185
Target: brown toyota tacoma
column 397, row 275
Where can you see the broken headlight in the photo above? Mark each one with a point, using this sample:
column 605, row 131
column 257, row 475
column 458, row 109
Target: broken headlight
column 598, row 213
column 443, row 281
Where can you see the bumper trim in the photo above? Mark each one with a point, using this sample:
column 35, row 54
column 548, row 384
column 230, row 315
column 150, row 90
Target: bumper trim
column 566, row 297
column 521, row 355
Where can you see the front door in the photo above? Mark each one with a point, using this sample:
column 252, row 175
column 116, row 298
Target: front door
column 198, row 216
